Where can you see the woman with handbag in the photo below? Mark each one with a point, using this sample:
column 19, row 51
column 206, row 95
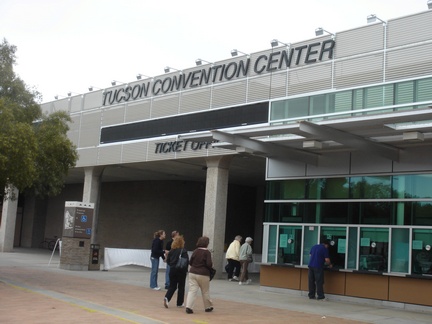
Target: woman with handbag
column 178, row 260
column 199, row 275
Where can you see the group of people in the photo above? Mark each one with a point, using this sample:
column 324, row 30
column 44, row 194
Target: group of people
column 238, row 258
column 200, row 267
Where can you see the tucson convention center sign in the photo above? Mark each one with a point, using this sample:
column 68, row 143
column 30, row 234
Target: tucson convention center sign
column 277, row 60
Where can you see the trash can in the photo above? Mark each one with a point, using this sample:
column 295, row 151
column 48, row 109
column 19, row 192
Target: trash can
column 94, row 262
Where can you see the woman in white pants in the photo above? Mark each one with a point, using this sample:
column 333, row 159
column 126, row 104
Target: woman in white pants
column 199, row 275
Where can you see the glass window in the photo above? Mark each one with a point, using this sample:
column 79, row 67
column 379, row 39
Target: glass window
column 278, row 110
column 352, row 248
column 335, row 188
column 413, row 186
column 314, row 188
column 337, row 248
column 371, row 187
column 290, row 238
column 424, row 92
column 298, row 107
column 422, row 213
column 421, row 251
column 373, row 249
column 318, row 104
column 293, row 189
column 271, row 252
column 399, row 250
column 343, row 101
column 379, row 212
column 388, row 95
column 374, row 97
column 284, row 212
column 358, row 99
column 310, row 239
column 273, row 212
column 322, row 104
column 404, row 92
column 333, row 213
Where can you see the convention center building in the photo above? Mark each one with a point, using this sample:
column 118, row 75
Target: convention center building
column 328, row 137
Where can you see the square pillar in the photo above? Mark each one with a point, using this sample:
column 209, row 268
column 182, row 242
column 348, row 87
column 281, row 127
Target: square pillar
column 215, row 207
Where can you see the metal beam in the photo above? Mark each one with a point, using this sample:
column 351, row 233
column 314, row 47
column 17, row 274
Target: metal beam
column 327, row 133
column 269, row 149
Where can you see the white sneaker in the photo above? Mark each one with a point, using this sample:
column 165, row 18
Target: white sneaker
column 166, row 302
column 156, row 288
column 235, row 278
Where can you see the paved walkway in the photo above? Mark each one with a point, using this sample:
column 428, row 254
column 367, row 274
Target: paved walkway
column 34, row 290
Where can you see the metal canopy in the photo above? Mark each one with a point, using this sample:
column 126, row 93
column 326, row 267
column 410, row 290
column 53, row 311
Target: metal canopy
column 269, row 149
column 377, row 133
column 350, row 140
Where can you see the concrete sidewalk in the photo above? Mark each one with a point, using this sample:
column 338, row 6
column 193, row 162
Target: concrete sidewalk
column 35, row 290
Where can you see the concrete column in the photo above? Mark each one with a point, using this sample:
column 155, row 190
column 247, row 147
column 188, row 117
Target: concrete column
column 259, row 212
column 215, row 207
column 8, row 220
column 28, row 221
column 91, row 194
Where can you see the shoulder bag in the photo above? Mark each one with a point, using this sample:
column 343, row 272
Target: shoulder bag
column 182, row 263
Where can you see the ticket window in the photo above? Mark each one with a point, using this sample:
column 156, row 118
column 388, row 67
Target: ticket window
column 289, row 250
column 352, row 247
column 310, row 238
column 421, row 248
column 399, row 250
column 373, row 254
column 338, row 243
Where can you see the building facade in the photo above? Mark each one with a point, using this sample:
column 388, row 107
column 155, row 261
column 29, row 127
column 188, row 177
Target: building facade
column 330, row 136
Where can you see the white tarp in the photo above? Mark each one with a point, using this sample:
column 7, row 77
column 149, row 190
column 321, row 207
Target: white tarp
column 120, row 257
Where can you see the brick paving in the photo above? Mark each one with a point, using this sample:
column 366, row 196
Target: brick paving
column 35, row 290
column 32, row 295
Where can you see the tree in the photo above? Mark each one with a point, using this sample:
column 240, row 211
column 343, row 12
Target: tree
column 35, row 152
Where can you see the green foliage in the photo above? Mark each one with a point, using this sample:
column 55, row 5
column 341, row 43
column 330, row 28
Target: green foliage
column 35, row 153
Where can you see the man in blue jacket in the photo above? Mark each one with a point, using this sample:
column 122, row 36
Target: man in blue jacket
column 319, row 258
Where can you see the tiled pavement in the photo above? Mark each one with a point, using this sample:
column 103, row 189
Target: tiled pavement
column 34, row 290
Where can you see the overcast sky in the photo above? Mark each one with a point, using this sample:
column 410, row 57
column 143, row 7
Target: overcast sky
column 68, row 45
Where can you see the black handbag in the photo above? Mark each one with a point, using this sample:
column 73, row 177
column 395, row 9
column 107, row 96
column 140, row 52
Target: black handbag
column 212, row 273
column 182, row 263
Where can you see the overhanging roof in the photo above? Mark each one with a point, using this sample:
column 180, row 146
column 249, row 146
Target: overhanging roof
column 380, row 134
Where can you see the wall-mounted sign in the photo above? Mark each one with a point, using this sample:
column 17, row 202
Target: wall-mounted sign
column 277, row 60
column 179, row 146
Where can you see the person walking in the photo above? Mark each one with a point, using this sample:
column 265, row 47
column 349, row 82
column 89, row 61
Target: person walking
column 177, row 277
column 319, row 258
column 199, row 275
column 232, row 256
column 167, row 249
column 245, row 258
column 157, row 252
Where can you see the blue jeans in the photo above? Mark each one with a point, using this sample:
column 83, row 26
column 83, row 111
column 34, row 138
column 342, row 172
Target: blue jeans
column 154, row 272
